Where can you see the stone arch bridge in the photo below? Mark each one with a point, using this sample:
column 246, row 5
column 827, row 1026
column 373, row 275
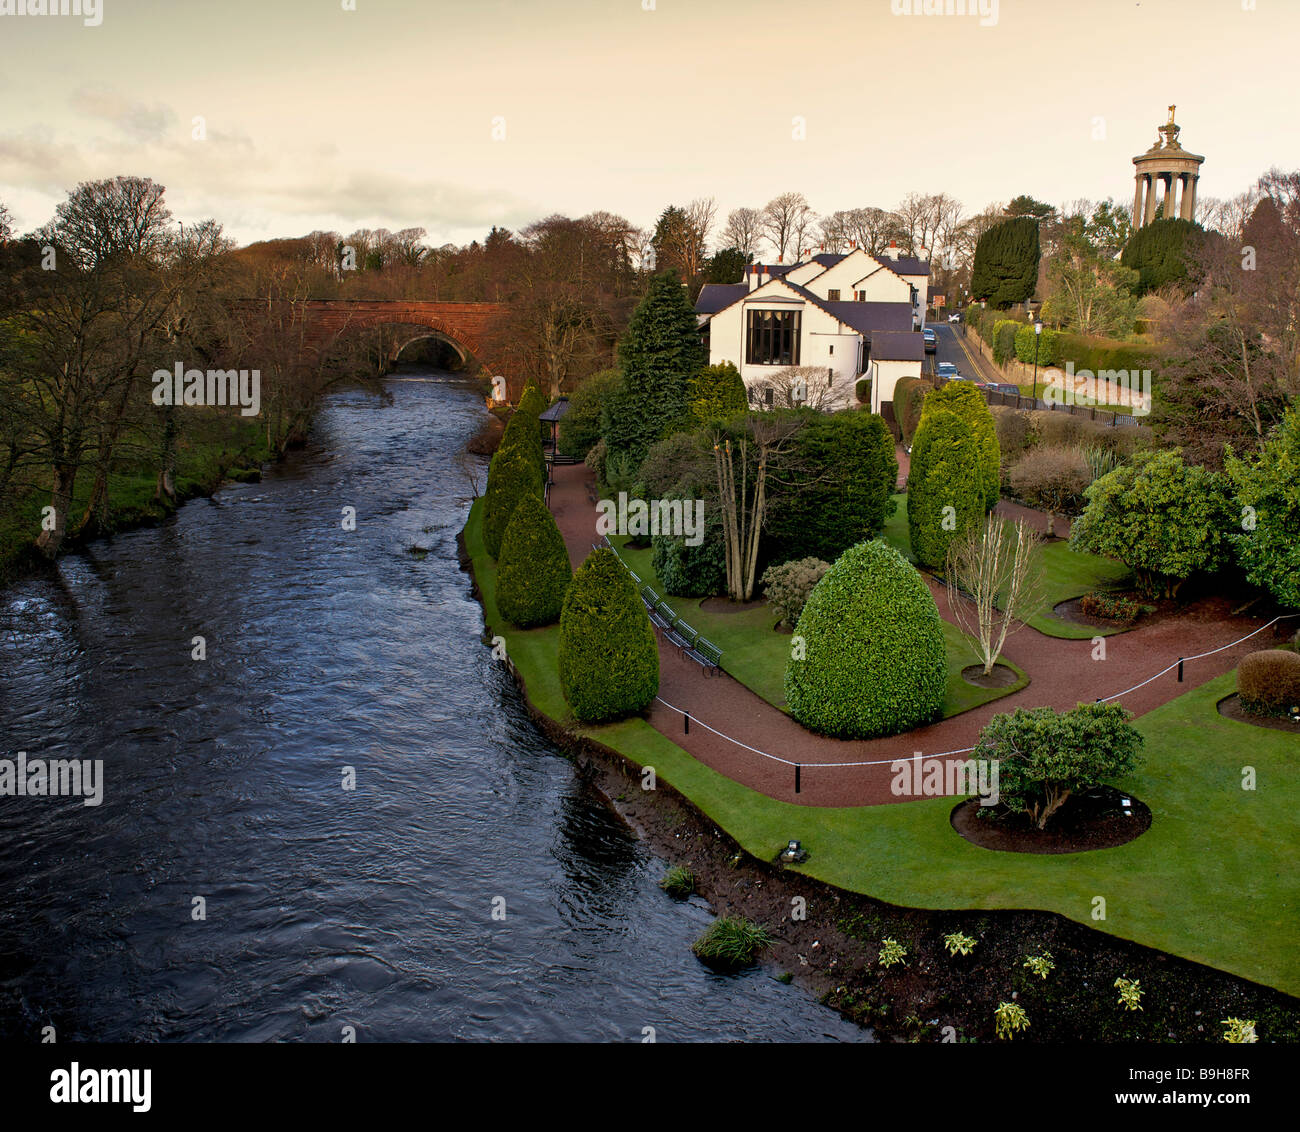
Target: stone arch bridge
column 466, row 326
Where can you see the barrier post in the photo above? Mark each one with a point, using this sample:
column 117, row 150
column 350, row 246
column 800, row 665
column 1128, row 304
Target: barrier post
column 686, row 723
column 1180, row 670
column 797, row 768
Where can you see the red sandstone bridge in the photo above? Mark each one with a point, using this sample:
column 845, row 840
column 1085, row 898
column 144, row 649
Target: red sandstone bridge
column 465, row 325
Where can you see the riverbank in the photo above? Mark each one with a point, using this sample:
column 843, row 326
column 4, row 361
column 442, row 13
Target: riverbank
column 219, row 449
column 729, row 837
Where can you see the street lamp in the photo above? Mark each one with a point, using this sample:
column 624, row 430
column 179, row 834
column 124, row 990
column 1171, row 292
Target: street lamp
column 1038, row 334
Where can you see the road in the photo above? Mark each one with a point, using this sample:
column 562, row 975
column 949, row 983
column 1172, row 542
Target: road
column 953, row 346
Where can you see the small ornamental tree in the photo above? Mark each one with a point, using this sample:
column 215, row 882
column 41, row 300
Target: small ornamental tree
column 1165, row 519
column 717, row 393
column 609, row 660
column 1267, row 495
column 870, row 657
column 511, row 476
column 947, row 485
column 962, row 398
column 1044, row 757
column 533, row 569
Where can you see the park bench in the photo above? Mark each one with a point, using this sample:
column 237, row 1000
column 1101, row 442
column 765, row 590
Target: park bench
column 682, row 635
column 662, row 615
column 706, row 654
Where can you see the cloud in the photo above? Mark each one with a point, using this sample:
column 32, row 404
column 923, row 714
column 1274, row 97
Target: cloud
column 137, row 120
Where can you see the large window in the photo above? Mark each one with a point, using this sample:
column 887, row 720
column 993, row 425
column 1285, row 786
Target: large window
column 832, row 296
column 773, row 338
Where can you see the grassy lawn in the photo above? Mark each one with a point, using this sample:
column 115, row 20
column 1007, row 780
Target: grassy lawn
column 755, row 654
column 1066, row 574
column 1211, row 881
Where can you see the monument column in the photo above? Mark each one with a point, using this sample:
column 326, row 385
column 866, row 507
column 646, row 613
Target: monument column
column 1149, row 212
column 1189, row 197
column 1137, row 201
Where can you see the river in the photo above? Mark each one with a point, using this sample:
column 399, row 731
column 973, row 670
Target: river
column 323, row 907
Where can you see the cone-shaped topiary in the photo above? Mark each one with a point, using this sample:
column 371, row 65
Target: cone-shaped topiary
column 868, row 655
column 533, row 402
column 962, row 398
column 609, row 661
column 946, row 484
column 521, row 434
column 511, row 476
column 533, row 568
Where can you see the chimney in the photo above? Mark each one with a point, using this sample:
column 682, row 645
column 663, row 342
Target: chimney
column 892, row 250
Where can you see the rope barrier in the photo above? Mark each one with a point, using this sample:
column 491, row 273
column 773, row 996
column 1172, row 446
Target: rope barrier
column 687, row 715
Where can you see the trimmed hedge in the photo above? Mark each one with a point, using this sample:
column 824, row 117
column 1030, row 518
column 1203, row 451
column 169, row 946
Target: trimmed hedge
column 962, row 398
column 909, row 396
column 717, row 393
column 839, row 489
column 511, row 476
column 1004, row 339
column 874, row 660
column 533, row 402
column 947, row 471
column 1268, row 681
column 1097, row 354
column 609, row 661
column 1049, row 342
column 533, row 571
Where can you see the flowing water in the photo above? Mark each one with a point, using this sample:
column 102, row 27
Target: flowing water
column 323, row 907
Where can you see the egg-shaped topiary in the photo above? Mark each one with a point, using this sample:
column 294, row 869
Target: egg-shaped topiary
column 868, row 656
column 533, row 568
column 946, row 485
column 609, row 660
column 511, row 476
column 521, row 435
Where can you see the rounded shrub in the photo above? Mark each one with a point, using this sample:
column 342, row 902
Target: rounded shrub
column 874, row 660
column 609, row 661
column 1052, row 479
column 511, row 476
column 862, row 390
column 690, row 571
column 946, row 485
column 533, row 402
column 788, row 586
column 533, row 569
column 1269, row 681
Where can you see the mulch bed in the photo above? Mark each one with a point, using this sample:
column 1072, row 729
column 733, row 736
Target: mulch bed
column 1231, row 708
column 1072, row 612
column 1093, row 820
column 1000, row 677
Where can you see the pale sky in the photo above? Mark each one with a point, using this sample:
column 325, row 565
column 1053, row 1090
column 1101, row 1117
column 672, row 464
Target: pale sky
column 318, row 117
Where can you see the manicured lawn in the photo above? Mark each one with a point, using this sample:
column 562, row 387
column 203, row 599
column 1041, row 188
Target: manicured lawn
column 755, row 654
column 1066, row 574
column 1212, row 880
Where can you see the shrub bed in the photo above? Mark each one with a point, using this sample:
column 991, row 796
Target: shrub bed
column 1051, row 479
column 1110, row 607
column 788, row 586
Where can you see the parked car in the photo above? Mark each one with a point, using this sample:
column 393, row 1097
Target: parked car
column 931, row 342
column 955, row 316
column 946, row 370
column 1004, row 387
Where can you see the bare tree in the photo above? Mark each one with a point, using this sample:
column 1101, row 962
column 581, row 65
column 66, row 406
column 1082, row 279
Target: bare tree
column 783, row 217
column 743, row 229
column 998, row 562
column 796, row 387
column 834, row 232
column 6, row 224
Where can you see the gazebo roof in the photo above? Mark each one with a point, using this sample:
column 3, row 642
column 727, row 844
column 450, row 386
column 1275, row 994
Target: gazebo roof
column 556, row 411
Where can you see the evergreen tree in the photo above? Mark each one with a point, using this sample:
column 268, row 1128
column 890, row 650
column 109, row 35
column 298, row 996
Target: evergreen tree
column 717, row 393
column 533, row 568
column 658, row 355
column 946, row 484
column 511, row 476
column 1159, row 252
column 1006, row 262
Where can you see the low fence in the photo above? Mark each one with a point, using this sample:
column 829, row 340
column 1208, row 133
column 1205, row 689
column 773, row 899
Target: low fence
column 1090, row 412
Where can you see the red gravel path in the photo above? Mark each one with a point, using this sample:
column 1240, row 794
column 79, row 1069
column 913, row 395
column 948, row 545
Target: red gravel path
column 1062, row 673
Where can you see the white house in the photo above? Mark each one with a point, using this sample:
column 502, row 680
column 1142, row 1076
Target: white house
column 824, row 313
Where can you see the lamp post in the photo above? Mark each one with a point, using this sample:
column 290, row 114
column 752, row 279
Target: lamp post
column 1038, row 334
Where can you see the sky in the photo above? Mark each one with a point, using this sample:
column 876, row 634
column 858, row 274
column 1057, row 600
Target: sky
column 457, row 116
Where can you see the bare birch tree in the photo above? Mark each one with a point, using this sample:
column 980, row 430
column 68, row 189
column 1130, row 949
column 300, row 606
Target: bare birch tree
column 998, row 562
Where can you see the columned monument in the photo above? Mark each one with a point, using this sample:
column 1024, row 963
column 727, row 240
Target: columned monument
column 1169, row 164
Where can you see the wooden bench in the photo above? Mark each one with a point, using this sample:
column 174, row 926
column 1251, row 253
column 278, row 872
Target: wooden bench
column 706, row 654
column 649, row 598
column 661, row 614
column 636, row 579
column 682, row 635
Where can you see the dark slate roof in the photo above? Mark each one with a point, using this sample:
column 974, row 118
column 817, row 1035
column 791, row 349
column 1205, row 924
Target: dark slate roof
column 715, row 296
column 555, row 412
column 933, row 292
column 897, row 346
column 869, row 318
column 770, row 268
column 907, row 265
column 827, row 259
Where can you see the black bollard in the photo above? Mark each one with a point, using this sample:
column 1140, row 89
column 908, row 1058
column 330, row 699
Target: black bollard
column 1180, row 670
column 797, row 768
column 686, row 723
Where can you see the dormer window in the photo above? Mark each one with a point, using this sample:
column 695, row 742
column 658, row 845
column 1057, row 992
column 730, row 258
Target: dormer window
column 833, row 295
